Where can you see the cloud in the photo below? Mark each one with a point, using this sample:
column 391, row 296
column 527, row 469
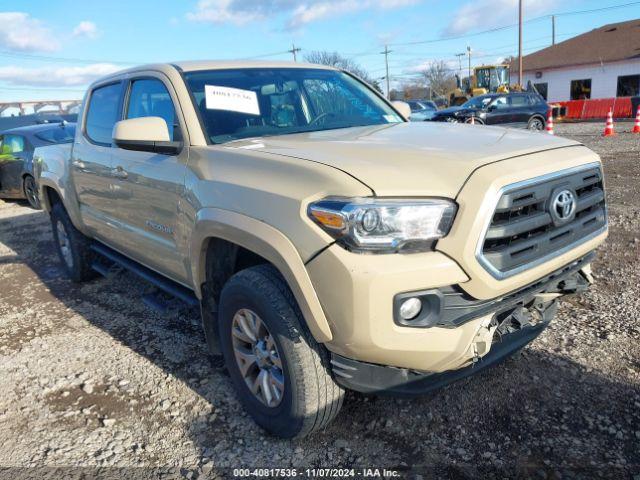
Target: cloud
column 86, row 29
column 57, row 76
column 21, row 33
column 240, row 12
column 487, row 14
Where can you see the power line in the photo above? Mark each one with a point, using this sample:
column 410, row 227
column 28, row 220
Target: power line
column 505, row 27
column 265, row 55
column 47, row 58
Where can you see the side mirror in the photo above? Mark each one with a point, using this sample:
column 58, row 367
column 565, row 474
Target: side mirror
column 491, row 108
column 145, row 134
column 403, row 108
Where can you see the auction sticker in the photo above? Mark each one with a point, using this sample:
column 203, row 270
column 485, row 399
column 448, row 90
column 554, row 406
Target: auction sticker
column 231, row 99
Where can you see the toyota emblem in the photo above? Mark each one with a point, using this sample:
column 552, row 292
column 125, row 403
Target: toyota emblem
column 563, row 206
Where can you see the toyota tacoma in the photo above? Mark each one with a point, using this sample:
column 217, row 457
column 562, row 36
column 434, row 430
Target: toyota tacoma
column 329, row 243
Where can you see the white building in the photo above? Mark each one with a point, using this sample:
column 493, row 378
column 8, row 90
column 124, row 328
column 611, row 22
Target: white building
column 602, row 63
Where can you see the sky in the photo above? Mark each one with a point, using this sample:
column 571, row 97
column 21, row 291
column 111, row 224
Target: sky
column 53, row 49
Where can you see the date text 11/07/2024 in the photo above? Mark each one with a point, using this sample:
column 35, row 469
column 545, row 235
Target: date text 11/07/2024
column 315, row 473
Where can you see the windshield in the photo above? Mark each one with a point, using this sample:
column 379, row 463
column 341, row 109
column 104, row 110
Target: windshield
column 253, row 102
column 60, row 133
column 477, row 102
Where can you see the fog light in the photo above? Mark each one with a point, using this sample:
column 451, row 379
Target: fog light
column 410, row 308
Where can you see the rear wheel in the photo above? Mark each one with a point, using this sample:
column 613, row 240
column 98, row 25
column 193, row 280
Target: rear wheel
column 31, row 192
column 280, row 373
column 536, row 124
column 73, row 247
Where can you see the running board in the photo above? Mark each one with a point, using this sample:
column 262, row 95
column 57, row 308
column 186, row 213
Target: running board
column 162, row 283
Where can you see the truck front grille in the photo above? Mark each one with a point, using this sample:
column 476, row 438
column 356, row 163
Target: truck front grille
column 544, row 217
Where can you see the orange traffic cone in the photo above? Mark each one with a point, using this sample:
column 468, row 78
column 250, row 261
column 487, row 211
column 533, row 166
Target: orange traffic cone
column 550, row 122
column 608, row 129
column 473, row 119
column 636, row 127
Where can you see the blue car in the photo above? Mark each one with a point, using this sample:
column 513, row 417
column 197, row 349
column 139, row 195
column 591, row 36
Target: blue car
column 17, row 178
column 522, row 109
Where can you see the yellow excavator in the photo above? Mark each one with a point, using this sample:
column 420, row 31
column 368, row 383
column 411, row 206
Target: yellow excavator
column 485, row 79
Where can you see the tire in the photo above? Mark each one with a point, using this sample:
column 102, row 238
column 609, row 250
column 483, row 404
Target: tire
column 536, row 124
column 310, row 399
column 30, row 190
column 73, row 247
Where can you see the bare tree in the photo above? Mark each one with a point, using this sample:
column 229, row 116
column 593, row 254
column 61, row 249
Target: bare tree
column 334, row 59
column 440, row 77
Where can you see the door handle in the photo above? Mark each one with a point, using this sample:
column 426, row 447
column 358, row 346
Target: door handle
column 119, row 172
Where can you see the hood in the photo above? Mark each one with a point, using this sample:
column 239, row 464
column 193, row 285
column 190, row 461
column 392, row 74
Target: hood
column 452, row 110
column 410, row 159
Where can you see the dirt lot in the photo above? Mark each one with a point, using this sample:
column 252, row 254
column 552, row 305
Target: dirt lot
column 89, row 376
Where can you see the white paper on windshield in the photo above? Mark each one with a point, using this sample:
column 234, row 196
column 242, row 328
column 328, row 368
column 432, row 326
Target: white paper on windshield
column 231, row 99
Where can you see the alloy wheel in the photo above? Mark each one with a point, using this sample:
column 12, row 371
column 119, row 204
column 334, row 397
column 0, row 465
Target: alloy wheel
column 257, row 357
column 30, row 191
column 536, row 125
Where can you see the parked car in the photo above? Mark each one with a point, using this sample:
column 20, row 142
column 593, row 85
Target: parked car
column 524, row 110
column 17, row 178
column 330, row 243
column 421, row 110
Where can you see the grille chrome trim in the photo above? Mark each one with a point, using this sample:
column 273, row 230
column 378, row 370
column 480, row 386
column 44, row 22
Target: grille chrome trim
column 501, row 275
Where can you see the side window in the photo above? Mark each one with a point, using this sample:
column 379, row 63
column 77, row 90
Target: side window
column 501, row 103
column 150, row 98
column 12, row 144
column 519, row 101
column 103, row 113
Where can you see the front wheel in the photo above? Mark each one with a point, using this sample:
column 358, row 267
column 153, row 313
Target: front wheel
column 536, row 124
column 279, row 372
column 476, row 121
column 31, row 192
column 74, row 249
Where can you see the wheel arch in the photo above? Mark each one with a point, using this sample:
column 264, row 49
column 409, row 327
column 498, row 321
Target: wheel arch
column 49, row 194
column 237, row 237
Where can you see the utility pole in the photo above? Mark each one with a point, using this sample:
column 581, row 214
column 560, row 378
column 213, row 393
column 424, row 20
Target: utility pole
column 520, row 81
column 293, row 51
column 469, row 54
column 553, row 29
column 386, row 63
column 460, row 55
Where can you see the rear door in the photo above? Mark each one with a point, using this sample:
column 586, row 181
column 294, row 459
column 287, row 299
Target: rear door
column 150, row 186
column 91, row 169
column 521, row 109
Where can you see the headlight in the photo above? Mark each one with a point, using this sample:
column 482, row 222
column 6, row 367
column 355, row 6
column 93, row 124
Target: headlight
column 384, row 225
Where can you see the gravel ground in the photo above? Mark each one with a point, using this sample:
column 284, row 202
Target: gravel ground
column 91, row 377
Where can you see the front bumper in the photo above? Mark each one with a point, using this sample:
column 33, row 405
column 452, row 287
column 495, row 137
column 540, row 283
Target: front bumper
column 359, row 307
column 369, row 378
column 518, row 319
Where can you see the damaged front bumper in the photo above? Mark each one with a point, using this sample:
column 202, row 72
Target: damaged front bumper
column 515, row 321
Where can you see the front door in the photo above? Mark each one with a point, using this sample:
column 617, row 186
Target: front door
column 499, row 112
column 149, row 187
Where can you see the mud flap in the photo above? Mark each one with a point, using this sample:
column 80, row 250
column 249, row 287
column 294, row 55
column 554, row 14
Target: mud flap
column 209, row 315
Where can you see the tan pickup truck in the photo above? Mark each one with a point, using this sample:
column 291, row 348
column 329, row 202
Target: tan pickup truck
column 330, row 243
